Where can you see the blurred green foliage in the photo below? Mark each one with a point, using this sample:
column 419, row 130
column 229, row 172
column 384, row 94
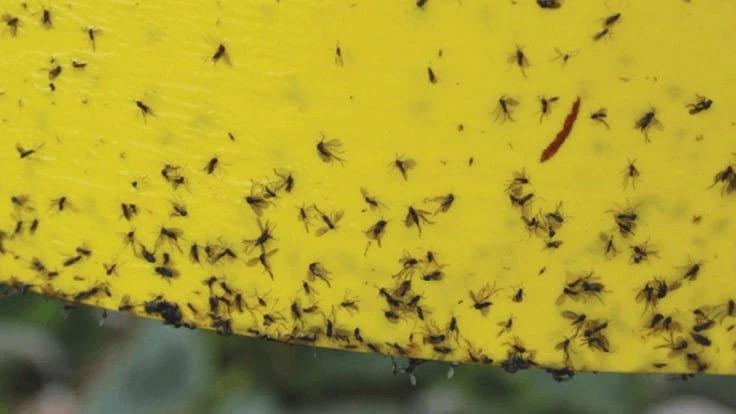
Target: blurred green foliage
column 121, row 364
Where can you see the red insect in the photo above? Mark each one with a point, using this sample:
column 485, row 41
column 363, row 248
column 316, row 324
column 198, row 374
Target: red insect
column 564, row 132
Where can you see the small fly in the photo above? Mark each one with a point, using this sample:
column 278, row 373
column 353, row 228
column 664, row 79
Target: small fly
column 262, row 259
column 317, row 270
column 505, row 108
column 546, row 104
column 372, row 201
column 92, row 33
column 46, row 19
column 564, row 56
column 221, row 54
column 519, row 59
column 446, row 201
column 212, row 165
column 611, row 20
column 549, row 4
column 600, row 35
column 25, row 153
column 375, row 233
column 266, row 234
column 328, row 150
column 403, row 165
column 415, row 217
column 631, row 174
column 600, row 117
column 702, row 104
column 642, row 252
column 647, row 121
column 330, row 221
column 55, row 72
column 145, row 109
column 338, row 55
column 432, row 76
column 12, row 22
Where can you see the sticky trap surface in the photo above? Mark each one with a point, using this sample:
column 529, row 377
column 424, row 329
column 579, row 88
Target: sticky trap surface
column 485, row 183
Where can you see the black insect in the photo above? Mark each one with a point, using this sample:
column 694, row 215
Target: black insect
column 375, row 233
column 553, row 244
column 704, row 325
column 421, row 3
column 392, row 302
column 646, row 122
column 481, row 299
column 372, row 202
column 25, row 153
column 611, row 20
column 212, row 165
column 169, row 234
column 403, row 165
column 600, row 35
column 521, row 201
column 266, row 234
column 328, row 150
column 728, row 178
column 287, row 181
column 702, row 104
column 564, row 56
column 520, row 59
column 505, row 326
column 518, row 296
column 145, row 109
column 338, row 55
column 79, row 64
column 631, row 174
column 546, row 104
column 391, row 316
column 168, row 311
column 262, row 259
column 221, row 54
column 695, row 363
column 148, row 256
column 430, row 73
column 600, row 117
column 700, row 339
column 12, row 22
column 433, row 276
column 129, row 210
column 180, row 210
column 654, row 291
column 319, row 271
column 549, row 4
column 445, row 202
column 577, row 319
column 515, row 187
column 516, row 362
column 110, row 268
column 331, row 221
column 505, row 108
column 92, row 33
column 55, row 72
column 46, row 19
column 692, row 271
column 626, row 221
column 415, row 217
column 60, row 203
column 93, row 291
column 166, row 272
column 642, row 252
column 72, row 260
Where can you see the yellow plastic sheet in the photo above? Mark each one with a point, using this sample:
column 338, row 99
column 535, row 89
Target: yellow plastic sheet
column 367, row 175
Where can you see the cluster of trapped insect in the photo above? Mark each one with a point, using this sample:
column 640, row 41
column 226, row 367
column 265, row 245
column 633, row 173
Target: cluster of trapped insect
column 320, row 303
